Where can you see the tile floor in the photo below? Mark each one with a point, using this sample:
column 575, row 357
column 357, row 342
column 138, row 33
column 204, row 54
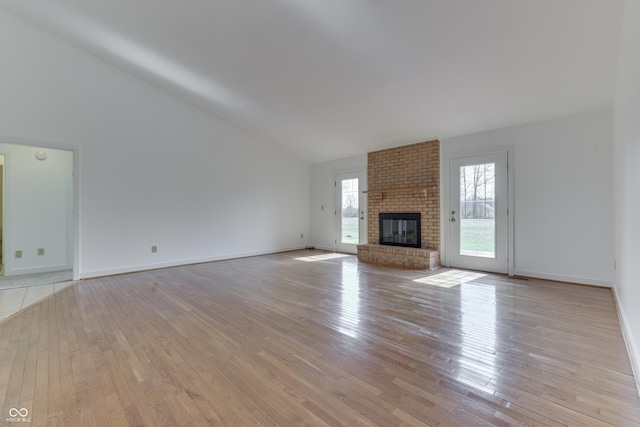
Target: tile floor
column 14, row 300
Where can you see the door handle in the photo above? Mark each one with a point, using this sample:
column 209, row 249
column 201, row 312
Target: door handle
column 452, row 220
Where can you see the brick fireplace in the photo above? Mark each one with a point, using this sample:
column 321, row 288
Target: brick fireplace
column 404, row 179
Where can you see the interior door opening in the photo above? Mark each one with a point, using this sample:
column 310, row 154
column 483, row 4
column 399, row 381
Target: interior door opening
column 37, row 221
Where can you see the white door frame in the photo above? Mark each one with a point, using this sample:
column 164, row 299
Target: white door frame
column 444, row 197
column 361, row 174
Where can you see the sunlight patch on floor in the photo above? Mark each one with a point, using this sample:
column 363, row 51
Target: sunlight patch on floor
column 450, row 278
column 322, row 257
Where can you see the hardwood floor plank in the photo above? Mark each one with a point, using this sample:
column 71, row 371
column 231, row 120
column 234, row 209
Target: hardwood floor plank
column 280, row 340
column 12, row 377
column 39, row 412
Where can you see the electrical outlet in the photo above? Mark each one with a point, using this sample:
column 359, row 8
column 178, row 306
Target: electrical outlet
column 301, row 236
column 18, row 254
column 40, row 251
column 154, row 249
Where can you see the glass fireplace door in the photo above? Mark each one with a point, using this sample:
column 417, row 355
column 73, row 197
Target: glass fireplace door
column 400, row 229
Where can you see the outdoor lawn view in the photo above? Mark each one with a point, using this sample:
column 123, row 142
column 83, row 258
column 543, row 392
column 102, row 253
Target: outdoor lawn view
column 477, row 207
column 350, row 231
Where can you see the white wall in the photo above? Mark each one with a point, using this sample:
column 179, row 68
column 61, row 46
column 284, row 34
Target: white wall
column 38, row 205
column 153, row 170
column 627, row 181
column 563, row 201
column 322, row 176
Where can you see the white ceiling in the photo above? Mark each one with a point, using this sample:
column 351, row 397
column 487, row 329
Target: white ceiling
column 326, row 79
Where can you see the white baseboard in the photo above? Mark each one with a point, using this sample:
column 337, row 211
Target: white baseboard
column 629, row 342
column 324, row 248
column 568, row 279
column 178, row 263
column 34, row 270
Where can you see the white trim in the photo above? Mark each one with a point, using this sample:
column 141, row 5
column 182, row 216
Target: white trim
column 324, row 248
column 7, row 238
column 138, row 268
column 33, row 143
column 76, row 213
column 511, row 239
column 444, row 199
column 562, row 278
column 630, row 344
column 34, row 270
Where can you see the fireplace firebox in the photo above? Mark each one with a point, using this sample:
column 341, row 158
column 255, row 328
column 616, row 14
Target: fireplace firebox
column 400, row 229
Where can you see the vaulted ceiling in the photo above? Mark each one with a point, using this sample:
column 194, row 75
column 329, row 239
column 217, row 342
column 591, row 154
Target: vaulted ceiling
column 326, row 79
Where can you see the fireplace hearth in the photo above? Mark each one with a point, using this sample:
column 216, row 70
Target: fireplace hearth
column 400, row 229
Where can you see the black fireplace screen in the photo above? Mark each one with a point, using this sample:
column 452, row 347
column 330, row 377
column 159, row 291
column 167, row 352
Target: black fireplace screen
column 400, row 229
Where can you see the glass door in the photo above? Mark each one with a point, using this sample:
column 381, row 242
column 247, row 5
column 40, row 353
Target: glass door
column 478, row 209
column 350, row 212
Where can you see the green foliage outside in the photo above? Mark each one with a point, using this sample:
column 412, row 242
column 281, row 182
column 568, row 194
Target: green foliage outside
column 477, row 235
column 350, row 230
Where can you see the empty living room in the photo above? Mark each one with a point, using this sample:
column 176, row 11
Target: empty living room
column 336, row 213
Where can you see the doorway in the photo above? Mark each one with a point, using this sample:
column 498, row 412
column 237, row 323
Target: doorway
column 351, row 228
column 38, row 226
column 478, row 225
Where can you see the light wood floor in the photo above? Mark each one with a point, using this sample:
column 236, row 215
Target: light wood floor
column 315, row 338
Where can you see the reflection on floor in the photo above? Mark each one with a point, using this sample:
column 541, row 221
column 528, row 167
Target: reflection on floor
column 14, row 300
